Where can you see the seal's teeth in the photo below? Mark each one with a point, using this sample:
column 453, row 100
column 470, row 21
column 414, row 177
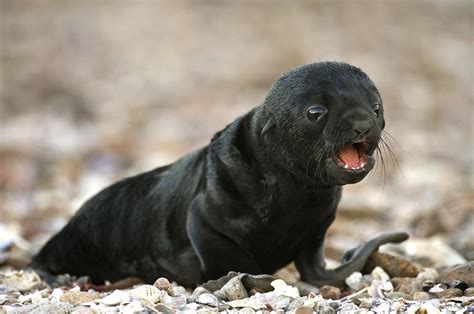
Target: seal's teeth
column 346, row 166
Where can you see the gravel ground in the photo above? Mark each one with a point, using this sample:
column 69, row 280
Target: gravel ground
column 94, row 91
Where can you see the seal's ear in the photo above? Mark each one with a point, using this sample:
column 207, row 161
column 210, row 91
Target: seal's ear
column 270, row 124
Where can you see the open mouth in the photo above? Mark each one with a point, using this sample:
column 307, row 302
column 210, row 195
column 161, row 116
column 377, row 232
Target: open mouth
column 353, row 156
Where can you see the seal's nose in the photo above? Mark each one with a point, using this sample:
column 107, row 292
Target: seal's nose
column 361, row 126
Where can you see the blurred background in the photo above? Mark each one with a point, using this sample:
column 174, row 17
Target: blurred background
column 95, row 91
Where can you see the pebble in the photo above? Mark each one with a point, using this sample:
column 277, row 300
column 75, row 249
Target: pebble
column 421, row 296
column 458, row 284
column 78, row 297
column 397, row 295
column 304, row 310
column 281, row 302
column 296, row 303
column 163, row 308
column 463, row 272
column 407, row 285
column 379, row 274
column 84, row 310
column 208, row 299
column 395, row 266
column 247, row 310
column 164, row 284
column 469, row 292
column 450, row 293
column 49, row 308
column 428, row 308
column 248, row 302
column 234, row 289
column 428, row 274
column 354, row 281
column 330, row 292
column 197, row 292
column 20, row 280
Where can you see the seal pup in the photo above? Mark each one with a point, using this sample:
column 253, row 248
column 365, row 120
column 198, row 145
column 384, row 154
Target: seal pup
column 261, row 194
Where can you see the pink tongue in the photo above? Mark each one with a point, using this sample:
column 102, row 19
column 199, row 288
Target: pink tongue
column 350, row 156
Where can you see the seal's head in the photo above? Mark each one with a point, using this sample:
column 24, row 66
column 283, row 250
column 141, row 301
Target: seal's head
column 325, row 121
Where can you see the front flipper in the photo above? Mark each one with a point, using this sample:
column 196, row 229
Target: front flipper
column 353, row 260
column 217, row 253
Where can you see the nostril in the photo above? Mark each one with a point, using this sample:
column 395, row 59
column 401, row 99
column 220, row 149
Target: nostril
column 362, row 127
column 362, row 131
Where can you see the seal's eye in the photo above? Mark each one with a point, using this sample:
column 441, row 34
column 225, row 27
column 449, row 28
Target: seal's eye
column 315, row 113
column 376, row 109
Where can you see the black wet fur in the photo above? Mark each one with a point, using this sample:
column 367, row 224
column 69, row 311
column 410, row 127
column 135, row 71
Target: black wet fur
column 250, row 201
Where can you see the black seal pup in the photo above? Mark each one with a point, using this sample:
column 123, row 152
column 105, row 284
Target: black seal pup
column 261, row 194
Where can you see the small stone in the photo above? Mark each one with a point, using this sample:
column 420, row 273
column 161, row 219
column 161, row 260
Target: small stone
column 449, row 293
column 49, row 308
column 330, row 292
column 281, row 302
column 175, row 291
column 296, row 303
column 326, row 309
column 469, row 292
column 176, row 302
column 197, row 292
column 394, row 266
column 234, row 289
column 304, row 310
column 354, row 281
column 79, row 297
column 208, row 299
column 248, row 302
column 397, row 295
column 255, row 290
column 379, row 274
column 458, row 284
column 463, row 272
column 421, row 296
column 407, row 285
column 349, row 307
column 335, row 304
column 428, row 308
column 84, row 310
column 20, row 280
column 247, row 310
column 163, row 308
column 428, row 274
column 162, row 283
column 365, row 304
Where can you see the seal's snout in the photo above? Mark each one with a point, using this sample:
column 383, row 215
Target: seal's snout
column 362, row 127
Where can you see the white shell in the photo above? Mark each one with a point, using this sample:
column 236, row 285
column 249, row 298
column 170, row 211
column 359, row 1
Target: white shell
column 281, row 288
column 146, row 292
column 379, row 274
column 115, row 298
column 354, row 281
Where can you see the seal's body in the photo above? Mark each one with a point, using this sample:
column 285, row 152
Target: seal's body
column 260, row 195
